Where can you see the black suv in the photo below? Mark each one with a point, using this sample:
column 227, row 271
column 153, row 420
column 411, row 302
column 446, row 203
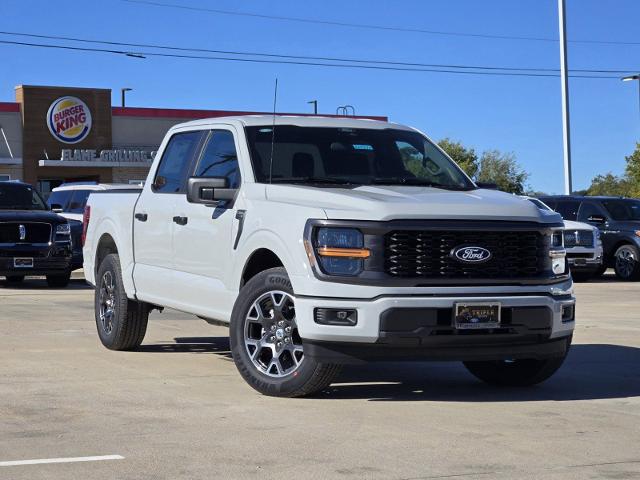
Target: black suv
column 33, row 239
column 619, row 222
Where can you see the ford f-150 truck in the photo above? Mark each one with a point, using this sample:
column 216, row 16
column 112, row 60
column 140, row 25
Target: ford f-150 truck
column 324, row 241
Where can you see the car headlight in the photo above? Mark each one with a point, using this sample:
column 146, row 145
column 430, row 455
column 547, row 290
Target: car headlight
column 63, row 229
column 340, row 250
column 557, row 253
column 557, row 239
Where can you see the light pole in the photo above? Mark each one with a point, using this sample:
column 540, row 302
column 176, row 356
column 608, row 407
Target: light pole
column 564, row 80
column 315, row 106
column 630, row 78
column 122, row 93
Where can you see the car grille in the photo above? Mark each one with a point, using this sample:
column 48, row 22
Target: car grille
column 578, row 238
column 427, row 254
column 33, row 232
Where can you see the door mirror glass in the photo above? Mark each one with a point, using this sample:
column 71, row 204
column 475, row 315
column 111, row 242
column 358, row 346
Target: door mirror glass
column 209, row 191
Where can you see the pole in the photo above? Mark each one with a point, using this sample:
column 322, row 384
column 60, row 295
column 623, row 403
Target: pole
column 122, row 90
column 315, row 106
column 564, row 79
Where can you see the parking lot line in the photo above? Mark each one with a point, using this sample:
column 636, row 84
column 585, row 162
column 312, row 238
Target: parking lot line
column 60, row 460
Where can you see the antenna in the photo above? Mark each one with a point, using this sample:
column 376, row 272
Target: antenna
column 273, row 130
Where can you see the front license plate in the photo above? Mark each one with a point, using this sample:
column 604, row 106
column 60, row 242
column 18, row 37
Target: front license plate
column 23, row 262
column 476, row 315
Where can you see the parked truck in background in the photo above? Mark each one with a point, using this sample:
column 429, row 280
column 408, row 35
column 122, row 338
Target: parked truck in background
column 325, row 241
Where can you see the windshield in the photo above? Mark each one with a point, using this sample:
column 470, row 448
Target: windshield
column 348, row 156
column 622, row 210
column 19, row 197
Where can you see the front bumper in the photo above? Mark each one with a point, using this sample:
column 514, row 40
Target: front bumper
column 584, row 259
column 47, row 259
column 422, row 325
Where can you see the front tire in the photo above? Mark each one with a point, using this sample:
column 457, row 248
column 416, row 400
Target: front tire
column 516, row 373
column 121, row 323
column 59, row 281
column 265, row 343
column 627, row 263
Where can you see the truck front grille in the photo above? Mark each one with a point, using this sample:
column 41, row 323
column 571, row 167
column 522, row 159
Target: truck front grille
column 578, row 238
column 11, row 232
column 428, row 254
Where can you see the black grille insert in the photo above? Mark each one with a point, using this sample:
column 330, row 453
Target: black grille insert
column 427, row 254
column 11, row 232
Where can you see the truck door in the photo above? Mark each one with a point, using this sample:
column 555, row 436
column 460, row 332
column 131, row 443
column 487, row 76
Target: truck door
column 203, row 244
column 153, row 223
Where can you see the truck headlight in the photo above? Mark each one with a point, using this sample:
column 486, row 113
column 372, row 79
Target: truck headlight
column 340, row 250
column 63, row 229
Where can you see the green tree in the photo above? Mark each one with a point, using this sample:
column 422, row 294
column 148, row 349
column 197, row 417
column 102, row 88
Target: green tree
column 610, row 184
column 633, row 173
column 465, row 157
column 503, row 170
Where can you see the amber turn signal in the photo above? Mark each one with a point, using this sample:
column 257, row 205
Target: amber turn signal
column 343, row 252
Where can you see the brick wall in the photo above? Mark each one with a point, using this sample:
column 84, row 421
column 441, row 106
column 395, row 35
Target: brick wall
column 123, row 174
column 14, row 170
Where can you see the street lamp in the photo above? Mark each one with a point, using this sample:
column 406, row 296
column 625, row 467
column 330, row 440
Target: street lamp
column 630, row 78
column 122, row 92
column 315, row 106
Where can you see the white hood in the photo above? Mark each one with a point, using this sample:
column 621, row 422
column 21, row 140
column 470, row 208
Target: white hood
column 408, row 202
column 571, row 225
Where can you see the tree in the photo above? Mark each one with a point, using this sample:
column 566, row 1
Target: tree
column 503, row 170
column 610, row 184
column 465, row 157
column 633, row 173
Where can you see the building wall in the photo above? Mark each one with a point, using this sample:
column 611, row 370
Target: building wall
column 15, row 171
column 137, row 131
column 123, row 175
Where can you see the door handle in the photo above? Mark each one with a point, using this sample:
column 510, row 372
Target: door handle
column 180, row 220
column 141, row 216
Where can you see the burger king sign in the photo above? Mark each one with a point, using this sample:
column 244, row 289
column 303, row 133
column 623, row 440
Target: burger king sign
column 69, row 119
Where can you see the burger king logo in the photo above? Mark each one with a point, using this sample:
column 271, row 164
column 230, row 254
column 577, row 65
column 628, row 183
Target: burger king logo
column 69, row 119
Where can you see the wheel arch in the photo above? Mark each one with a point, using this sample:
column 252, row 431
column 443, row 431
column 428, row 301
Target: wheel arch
column 106, row 245
column 258, row 261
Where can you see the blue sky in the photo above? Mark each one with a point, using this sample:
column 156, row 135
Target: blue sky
column 517, row 114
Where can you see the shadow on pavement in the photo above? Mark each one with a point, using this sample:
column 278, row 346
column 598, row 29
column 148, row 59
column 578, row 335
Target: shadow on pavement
column 591, row 371
column 217, row 345
column 39, row 283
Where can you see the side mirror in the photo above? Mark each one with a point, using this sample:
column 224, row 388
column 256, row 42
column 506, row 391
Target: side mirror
column 596, row 219
column 56, row 208
column 487, row 185
column 209, row 190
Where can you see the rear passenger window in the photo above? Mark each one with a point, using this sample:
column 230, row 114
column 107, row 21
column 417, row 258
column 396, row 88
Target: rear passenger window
column 568, row 209
column 219, row 158
column 174, row 164
column 59, row 198
column 78, row 201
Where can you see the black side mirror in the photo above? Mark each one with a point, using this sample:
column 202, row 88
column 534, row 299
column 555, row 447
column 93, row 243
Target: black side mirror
column 56, row 208
column 487, row 185
column 209, row 190
column 596, row 219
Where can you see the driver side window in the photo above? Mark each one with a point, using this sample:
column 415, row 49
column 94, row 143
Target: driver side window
column 587, row 210
column 219, row 158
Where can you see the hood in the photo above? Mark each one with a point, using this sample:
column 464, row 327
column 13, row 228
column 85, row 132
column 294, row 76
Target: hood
column 30, row 216
column 374, row 202
column 571, row 225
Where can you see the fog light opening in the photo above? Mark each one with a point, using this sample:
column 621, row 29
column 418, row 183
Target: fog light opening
column 344, row 317
column 568, row 313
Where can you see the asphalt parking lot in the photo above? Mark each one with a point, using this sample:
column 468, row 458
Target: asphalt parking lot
column 178, row 409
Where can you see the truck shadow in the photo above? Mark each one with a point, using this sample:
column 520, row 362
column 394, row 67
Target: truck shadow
column 216, row 345
column 39, row 283
column 591, row 371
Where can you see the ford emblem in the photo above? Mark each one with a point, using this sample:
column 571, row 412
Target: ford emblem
column 471, row 254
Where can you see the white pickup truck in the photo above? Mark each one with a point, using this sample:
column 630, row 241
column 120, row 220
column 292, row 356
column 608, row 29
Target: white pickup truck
column 324, row 241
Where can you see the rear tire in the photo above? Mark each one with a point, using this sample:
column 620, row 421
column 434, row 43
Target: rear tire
column 265, row 344
column 15, row 279
column 121, row 323
column 516, row 373
column 627, row 263
column 59, row 281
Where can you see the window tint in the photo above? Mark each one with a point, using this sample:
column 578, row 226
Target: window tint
column 60, row 198
column 586, row 210
column 78, row 201
column 568, row 209
column 219, row 158
column 175, row 161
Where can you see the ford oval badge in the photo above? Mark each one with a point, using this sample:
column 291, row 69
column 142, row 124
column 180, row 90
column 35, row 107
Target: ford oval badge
column 471, row 254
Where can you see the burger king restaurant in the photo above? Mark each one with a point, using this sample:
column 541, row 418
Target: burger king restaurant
column 54, row 135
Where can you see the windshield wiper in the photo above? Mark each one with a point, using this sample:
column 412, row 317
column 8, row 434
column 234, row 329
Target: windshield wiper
column 418, row 182
column 314, row 180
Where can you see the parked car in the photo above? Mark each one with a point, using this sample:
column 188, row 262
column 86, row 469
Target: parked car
column 583, row 244
column 33, row 240
column 69, row 200
column 331, row 241
column 619, row 222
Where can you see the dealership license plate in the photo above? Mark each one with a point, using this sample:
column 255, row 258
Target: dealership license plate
column 23, row 262
column 468, row 316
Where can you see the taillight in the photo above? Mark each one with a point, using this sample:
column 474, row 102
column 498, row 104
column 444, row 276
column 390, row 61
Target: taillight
column 85, row 223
